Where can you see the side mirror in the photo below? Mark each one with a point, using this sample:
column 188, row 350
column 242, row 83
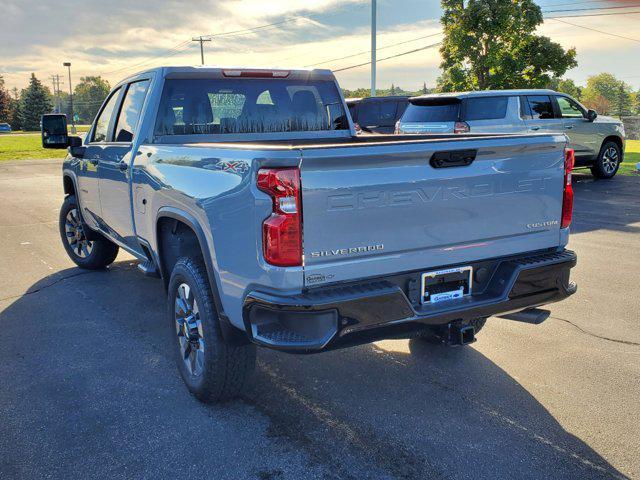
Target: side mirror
column 75, row 147
column 53, row 127
column 592, row 115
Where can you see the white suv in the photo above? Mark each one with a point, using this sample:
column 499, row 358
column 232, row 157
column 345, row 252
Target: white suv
column 598, row 141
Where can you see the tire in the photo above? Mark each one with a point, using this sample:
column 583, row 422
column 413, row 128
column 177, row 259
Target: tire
column 608, row 161
column 212, row 369
column 88, row 254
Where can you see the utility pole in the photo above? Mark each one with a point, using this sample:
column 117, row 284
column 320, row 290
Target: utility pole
column 55, row 79
column 73, row 121
column 373, row 47
column 201, row 40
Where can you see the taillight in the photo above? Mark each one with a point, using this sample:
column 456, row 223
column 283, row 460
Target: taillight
column 567, row 197
column 461, row 127
column 282, row 231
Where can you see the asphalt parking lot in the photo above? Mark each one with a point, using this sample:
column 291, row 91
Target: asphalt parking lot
column 88, row 387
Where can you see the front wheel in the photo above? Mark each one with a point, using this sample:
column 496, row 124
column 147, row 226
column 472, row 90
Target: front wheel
column 212, row 369
column 608, row 161
column 89, row 254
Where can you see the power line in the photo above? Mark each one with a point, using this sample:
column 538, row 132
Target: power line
column 390, row 57
column 591, row 8
column 250, row 30
column 180, row 46
column 606, row 14
column 269, row 26
column 572, row 3
column 369, row 51
column 173, row 49
column 596, row 30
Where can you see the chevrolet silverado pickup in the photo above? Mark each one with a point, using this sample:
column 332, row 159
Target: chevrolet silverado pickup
column 272, row 224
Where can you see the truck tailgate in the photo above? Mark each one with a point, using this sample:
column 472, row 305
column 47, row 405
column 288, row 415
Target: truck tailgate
column 383, row 208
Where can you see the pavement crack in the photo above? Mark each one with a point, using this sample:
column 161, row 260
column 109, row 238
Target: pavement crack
column 595, row 335
column 44, row 287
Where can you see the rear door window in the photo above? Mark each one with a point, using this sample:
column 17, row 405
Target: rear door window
column 425, row 112
column 485, row 108
column 130, row 111
column 540, row 107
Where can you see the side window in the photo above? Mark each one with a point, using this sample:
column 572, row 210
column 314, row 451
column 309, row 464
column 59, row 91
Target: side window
column 540, row 106
column 102, row 123
column 569, row 108
column 388, row 114
column 486, row 108
column 130, row 111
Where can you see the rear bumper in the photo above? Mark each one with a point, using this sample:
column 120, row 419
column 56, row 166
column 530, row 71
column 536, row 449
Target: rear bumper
column 350, row 314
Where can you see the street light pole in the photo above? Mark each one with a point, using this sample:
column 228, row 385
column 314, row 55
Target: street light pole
column 73, row 121
column 373, row 47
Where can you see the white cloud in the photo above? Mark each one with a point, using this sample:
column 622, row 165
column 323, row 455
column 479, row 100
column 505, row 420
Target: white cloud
column 117, row 38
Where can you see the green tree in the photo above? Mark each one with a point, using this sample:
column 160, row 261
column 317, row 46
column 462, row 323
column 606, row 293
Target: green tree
column 88, row 95
column 424, row 90
column 14, row 117
column 565, row 85
column 35, row 100
column 492, row 44
column 608, row 95
column 635, row 99
column 6, row 103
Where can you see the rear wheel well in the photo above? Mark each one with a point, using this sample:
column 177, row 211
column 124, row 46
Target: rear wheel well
column 176, row 239
column 69, row 187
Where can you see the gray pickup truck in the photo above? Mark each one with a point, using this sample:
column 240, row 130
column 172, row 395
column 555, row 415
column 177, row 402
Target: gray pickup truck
column 271, row 223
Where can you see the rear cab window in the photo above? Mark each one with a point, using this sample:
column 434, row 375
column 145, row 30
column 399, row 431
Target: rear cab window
column 485, row 108
column 199, row 106
column 432, row 110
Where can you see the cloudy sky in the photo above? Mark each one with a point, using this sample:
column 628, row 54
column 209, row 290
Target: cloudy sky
column 119, row 37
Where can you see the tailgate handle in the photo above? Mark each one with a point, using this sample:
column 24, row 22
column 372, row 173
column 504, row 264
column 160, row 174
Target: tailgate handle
column 456, row 158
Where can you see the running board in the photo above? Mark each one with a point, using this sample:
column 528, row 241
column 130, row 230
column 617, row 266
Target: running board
column 149, row 269
column 531, row 315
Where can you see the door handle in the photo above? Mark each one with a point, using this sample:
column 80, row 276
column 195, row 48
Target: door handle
column 122, row 166
column 568, row 127
column 535, row 127
column 455, row 158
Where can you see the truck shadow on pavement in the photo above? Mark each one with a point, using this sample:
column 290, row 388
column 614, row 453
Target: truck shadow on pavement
column 89, row 388
column 606, row 204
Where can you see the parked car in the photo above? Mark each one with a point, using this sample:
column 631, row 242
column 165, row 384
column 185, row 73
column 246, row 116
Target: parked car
column 598, row 141
column 377, row 114
column 5, row 128
column 212, row 178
